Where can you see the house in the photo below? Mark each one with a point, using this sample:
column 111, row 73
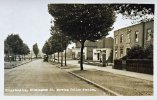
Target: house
column 87, row 51
column 94, row 50
column 140, row 34
column 104, row 46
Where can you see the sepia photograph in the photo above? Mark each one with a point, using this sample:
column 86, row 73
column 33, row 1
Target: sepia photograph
column 77, row 49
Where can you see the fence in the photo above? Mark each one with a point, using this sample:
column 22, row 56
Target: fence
column 135, row 65
column 117, row 64
column 140, row 65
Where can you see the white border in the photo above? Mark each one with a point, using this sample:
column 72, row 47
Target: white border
column 82, row 97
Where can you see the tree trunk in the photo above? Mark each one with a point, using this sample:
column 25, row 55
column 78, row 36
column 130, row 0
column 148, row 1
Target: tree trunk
column 24, row 57
column 65, row 58
column 61, row 58
column 54, row 57
column 58, row 56
column 81, row 60
column 51, row 57
column 47, row 57
column 15, row 57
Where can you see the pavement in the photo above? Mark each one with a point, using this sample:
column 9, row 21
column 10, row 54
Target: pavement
column 115, row 71
column 39, row 78
column 13, row 64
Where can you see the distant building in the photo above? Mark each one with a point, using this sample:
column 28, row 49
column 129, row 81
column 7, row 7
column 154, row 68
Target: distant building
column 140, row 34
column 94, row 50
column 88, row 50
column 104, row 46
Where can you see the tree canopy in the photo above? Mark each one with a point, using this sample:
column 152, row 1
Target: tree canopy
column 83, row 22
column 14, row 42
column 25, row 49
column 134, row 11
column 35, row 49
column 59, row 39
column 13, row 45
column 46, row 48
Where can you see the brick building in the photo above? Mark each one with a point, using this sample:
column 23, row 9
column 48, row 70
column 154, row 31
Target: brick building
column 140, row 34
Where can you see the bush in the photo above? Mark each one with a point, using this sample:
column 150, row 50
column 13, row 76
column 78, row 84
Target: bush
column 149, row 52
column 138, row 52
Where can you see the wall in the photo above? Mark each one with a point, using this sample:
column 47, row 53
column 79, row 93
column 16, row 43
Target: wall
column 77, row 52
column 105, row 43
column 97, row 50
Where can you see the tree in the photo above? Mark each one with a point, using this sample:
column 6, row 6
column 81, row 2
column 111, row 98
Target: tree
column 7, row 50
column 35, row 49
column 66, row 42
column 149, row 52
column 61, row 41
column 25, row 50
column 46, row 48
column 58, row 43
column 134, row 11
column 53, row 40
column 14, row 43
column 136, row 52
column 83, row 21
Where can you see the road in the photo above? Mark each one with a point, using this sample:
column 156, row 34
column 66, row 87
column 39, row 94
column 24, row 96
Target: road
column 39, row 78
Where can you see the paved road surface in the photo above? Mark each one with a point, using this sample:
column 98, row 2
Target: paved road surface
column 40, row 78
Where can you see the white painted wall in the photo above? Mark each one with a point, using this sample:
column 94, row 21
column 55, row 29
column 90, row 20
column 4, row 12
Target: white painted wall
column 97, row 50
column 77, row 50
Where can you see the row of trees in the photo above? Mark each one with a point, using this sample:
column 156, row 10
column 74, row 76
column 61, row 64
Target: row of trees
column 13, row 46
column 83, row 22
column 57, row 43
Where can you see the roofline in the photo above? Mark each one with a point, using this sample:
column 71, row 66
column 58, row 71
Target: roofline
column 133, row 25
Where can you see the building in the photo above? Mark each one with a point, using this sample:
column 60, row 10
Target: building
column 94, row 50
column 140, row 34
column 87, row 51
column 104, row 46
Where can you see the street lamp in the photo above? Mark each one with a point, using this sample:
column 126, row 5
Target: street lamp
column 104, row 58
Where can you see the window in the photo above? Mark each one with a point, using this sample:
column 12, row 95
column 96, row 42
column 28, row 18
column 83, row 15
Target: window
column 116, row 53
column 136, row 36
column 121, row 52
column 149, row 35
column 128, row 38
column 121, row 38
column 116, row 42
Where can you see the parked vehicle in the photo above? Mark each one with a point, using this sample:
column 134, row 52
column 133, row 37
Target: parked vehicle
column 45, row 58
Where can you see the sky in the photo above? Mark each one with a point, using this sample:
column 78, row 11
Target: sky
column 31, row 20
